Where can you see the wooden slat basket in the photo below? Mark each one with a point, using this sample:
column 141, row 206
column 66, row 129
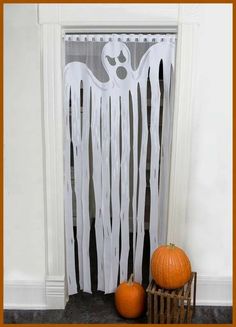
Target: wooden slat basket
column 171, row 306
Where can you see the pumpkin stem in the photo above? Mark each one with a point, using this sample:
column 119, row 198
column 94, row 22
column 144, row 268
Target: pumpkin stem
column 131, row 279
column 172, row 245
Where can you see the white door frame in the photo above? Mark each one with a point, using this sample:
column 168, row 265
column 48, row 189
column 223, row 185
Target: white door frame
column 55, row 19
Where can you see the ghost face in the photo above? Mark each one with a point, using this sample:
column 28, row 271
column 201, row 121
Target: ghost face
column 116, row 61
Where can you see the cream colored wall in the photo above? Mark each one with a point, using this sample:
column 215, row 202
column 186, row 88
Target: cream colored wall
column 209, row 215
column 24, row 243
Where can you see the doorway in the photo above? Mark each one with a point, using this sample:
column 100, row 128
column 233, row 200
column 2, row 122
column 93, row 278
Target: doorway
column 56, row 21
column 133, row 146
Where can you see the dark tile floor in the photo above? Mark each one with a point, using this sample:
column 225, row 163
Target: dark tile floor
column 99, row 308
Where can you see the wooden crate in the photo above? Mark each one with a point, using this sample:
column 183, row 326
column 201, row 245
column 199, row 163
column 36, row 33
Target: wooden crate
column 171, row 306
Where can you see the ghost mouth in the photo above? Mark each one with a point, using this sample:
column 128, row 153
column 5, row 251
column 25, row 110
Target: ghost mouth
column 121, row 72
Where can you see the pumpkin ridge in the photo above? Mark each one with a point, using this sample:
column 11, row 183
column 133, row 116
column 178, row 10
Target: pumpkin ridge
column 179, row 253
column 170, row 267
column 164, row 265
column 184, row 266
column 188, row 265
column 175, row 279
column 181, row 267
column 156, row 257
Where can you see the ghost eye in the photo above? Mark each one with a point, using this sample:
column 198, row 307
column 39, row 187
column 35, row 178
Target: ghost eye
column 111, row 61
column 121, row 57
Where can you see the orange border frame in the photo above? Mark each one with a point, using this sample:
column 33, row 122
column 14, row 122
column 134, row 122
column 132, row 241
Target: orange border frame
column 1, row 171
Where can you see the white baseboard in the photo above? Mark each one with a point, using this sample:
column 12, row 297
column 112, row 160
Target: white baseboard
column 33, row 295
column 214, row 291
column 55, row 292
column 24, row 295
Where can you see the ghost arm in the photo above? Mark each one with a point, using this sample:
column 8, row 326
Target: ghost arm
column 151, row 59
column 75, row 72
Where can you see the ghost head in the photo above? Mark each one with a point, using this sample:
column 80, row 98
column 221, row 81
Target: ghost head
column 116, row 61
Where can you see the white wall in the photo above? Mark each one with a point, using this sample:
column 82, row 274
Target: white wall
column 209, row 207
column 209, row 215
column 24, row 248
column 208, row 232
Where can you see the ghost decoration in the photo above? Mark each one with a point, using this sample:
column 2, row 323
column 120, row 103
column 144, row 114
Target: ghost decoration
column 106, row 111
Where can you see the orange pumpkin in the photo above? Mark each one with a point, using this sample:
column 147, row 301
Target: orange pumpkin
column 130, row 299
column 170, row 266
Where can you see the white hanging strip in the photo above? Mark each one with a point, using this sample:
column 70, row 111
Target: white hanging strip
column 85, row 187
column 124, row 211
column 171, row 96
column 154, row 165
column 142, row 184
column 135, row 165
column 69, row 235
column 105, row 112
column 77, row 150
column 165, row 152
column 115, row 190
column 97, row 181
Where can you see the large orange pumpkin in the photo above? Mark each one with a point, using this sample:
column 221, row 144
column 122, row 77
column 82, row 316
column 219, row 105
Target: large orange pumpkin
column 130, row 299
column 170, row 266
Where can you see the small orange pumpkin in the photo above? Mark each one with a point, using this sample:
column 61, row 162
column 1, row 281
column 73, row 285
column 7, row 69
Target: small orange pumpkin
column 130, row 299
column 170, row 266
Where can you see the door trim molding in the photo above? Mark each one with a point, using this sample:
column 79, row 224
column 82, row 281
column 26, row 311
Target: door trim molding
column 53, row 164
column 55, row 19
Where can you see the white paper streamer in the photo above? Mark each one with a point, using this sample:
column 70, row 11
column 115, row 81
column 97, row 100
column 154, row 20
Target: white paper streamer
column 115, row 190
column 69, row 235
column 85, row 188
column 142, row 184
column 165, row 153
column 97, row 180
column 77, row 150
column 124, row 211
column 106, row 190
column 154, row 166
column 134, row 95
